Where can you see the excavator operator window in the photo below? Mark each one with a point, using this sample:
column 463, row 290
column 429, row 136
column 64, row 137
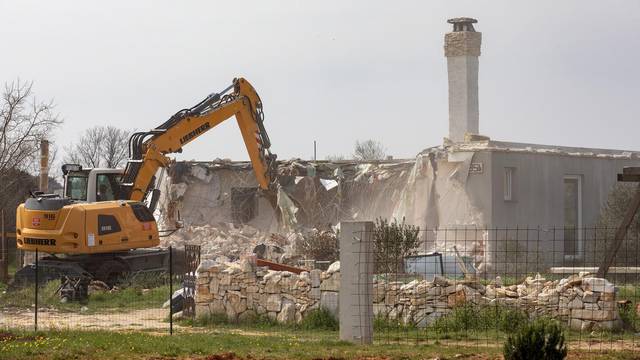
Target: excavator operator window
column 107, row 187
column 77, row 187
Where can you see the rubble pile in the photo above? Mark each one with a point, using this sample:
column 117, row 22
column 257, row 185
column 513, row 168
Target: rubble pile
column 583, row 302
column 231, row 241
column 243, row 291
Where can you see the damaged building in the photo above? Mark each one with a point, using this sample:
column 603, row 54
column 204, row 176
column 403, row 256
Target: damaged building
column 470, row 183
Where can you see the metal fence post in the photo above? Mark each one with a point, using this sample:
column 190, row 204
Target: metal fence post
column 36, row 296
column 4, row 251
column 170, row 290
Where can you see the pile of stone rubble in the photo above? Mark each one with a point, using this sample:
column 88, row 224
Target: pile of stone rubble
column 583, row 302
column 242, row 291
column 233, row 241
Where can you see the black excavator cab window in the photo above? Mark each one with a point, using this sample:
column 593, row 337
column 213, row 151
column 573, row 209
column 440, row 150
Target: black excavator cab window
column 107, row 187
column 77, row 187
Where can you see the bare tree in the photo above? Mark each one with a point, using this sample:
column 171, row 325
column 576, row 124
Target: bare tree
column 336, row 157
column 369, row 150
column 100, row 146
column 115, row 146
column 24, row 122
column 611, row 215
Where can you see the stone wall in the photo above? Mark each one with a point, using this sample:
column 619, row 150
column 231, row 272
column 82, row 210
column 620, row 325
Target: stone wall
column 582, row 302
column 242, row 291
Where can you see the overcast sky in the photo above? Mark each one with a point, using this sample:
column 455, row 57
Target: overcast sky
column 551, row 72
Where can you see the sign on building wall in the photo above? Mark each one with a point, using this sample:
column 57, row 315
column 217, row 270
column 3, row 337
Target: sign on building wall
column 476, row 168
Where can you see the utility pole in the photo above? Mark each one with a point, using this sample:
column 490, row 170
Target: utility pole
column 315, row 157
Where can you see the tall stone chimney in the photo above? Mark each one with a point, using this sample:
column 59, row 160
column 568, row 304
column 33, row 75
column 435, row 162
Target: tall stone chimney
column 44, row 166
column 462, row 49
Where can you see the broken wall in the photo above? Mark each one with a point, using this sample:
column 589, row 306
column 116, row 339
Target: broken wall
column 222, row 213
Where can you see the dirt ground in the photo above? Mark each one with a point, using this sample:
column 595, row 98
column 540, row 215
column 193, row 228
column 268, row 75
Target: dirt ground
column 133, row 320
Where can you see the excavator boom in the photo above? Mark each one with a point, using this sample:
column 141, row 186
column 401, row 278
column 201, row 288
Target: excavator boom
column 148, row 150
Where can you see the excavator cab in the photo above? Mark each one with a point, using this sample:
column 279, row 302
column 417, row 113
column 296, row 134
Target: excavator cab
column 91, row 185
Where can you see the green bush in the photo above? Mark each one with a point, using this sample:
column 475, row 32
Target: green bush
column 319, row 319
column 393, row 241
column 541, row 339
column 630, row 318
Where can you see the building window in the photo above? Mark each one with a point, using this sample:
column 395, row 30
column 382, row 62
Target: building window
column 244, row 204
column 509, row 174
column 572, row 216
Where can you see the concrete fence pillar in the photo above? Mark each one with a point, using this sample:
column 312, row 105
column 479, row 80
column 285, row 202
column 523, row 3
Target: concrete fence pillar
column 356, row 281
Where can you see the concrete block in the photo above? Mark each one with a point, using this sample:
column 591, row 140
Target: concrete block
column 356, row 282
column 330, row 301
column 598, row 285
column 331, row 284
column 315, row 277
column 595, row 315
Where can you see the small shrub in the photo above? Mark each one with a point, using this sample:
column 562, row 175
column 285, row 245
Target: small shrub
column 541, row 339
column 319, row 245
column 509, row 319
column 393, row 241
column 319, row 319
column 630, row 318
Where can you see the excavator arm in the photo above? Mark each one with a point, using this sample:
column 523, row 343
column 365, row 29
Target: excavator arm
column 148, row 150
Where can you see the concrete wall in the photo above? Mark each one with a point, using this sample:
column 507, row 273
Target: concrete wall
column 539, row 187
column 538, row 201
column 203, row 197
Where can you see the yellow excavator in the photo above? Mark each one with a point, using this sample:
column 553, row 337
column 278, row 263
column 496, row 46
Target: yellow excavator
column 104, row 223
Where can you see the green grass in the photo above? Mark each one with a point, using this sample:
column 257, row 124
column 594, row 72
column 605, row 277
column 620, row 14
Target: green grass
column 266, row 344
column 126, row 299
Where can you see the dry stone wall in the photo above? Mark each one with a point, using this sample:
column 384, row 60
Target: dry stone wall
column 582, row 302
column 241, row 291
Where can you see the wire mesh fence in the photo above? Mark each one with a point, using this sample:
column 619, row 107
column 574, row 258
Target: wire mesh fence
column 50, row 294
column 475, row 286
